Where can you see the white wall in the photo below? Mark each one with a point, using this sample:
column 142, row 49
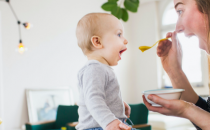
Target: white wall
column 53, row 58
column 141, row 72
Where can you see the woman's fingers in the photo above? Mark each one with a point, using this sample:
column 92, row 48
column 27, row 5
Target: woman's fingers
column 169, row 107
column 150, row 107
column 163, row 48
column 169, row 34
column 145, row 101
column 158, row 100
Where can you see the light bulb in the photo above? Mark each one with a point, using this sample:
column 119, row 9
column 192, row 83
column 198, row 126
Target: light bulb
column 27, row 25
column 21, row 48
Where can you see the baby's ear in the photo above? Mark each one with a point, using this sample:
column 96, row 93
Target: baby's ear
column 96, row 42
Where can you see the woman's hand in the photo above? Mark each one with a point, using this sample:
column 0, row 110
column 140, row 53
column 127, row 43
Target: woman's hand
column 127, row 110
column 169, row 107
column 170, row 53
column 180, row 108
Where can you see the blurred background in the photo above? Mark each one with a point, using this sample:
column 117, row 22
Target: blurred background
column 53, row 58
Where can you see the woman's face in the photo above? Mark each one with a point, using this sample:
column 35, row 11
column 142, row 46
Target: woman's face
column 192, row 22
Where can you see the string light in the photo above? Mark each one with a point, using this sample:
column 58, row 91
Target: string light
column 27, row 25
column 21, row 48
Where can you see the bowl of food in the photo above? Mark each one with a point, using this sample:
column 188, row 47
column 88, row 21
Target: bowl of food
column 168, row 94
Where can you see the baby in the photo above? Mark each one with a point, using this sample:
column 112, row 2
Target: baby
column 100, row 36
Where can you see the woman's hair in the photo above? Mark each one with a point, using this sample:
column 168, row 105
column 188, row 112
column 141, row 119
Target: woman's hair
column 204, row 7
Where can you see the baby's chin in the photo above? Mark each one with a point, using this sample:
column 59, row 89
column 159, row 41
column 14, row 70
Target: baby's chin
column 113, row 64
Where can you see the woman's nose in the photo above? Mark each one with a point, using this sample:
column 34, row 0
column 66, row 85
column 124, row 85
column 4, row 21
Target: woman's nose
column 179, row 27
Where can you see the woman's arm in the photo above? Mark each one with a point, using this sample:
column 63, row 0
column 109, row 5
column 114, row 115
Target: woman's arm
column 170, row 54
column 180, row 108
column 198, row 116
column 179, row 80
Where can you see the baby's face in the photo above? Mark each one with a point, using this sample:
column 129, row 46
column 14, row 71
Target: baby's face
column 113, row 40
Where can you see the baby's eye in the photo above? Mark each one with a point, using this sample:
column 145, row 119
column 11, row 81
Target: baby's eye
column 179, row 12
column 119, row 35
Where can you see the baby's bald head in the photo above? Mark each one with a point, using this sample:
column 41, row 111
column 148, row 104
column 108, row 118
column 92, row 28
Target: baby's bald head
column 91, row 25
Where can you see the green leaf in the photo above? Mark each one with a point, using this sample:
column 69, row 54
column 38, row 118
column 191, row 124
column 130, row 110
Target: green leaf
column 131, row 5
column 135, row 1
column 124, row 15
column 112, row 0
column 117, row 11
column 109, row 6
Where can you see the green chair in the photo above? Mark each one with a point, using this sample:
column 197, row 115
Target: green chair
column 139, row 116
column 65, row 115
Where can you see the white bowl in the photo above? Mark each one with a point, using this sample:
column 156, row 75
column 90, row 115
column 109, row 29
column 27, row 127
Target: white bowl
column 169, row 94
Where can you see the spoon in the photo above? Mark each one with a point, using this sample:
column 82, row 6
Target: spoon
column 144, row 48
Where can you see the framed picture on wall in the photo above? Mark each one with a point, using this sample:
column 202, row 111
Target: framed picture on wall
column 43, row 103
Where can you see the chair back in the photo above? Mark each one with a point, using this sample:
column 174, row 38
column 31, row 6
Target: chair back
column 66, row 114
column 139, row 114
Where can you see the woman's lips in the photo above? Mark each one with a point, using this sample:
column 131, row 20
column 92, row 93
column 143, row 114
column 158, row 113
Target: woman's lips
column 189, row 35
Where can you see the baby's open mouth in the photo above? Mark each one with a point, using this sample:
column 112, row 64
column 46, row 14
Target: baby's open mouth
column 120, row 53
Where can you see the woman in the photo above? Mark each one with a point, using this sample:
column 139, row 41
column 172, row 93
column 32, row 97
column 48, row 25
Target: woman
column 194, row 19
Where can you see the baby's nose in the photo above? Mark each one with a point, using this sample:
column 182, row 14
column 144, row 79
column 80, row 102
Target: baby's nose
column 125, row 41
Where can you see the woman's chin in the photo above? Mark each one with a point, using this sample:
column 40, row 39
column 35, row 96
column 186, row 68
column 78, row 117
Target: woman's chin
column 205, row 48
column 207, row 52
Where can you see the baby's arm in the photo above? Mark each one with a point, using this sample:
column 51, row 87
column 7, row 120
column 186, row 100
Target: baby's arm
column 94, row 81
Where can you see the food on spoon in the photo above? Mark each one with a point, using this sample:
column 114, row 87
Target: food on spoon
column 144, row 48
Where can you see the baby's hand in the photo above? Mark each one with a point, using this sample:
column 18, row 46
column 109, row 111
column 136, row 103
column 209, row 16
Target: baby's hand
column 117, row 125
column 127, row 110
column 124, row 126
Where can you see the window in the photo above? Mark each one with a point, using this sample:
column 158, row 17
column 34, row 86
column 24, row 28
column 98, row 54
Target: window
column 169, row 16
column 192, row 54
